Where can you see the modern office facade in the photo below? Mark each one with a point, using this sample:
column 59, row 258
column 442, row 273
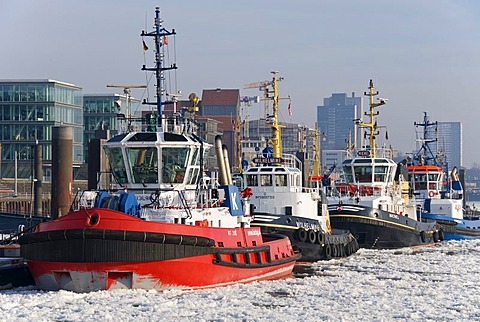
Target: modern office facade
column 335, row 119
column 28, row 111
column 113, row 112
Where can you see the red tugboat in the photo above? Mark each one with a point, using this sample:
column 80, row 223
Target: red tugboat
column 174, row 228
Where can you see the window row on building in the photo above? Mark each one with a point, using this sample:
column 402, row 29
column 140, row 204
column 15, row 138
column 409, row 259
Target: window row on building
column 40, row 91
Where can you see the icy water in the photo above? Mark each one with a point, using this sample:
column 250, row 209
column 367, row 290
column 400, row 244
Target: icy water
column 440, row 283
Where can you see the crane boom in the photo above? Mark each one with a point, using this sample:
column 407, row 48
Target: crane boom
column 127, row 86
column 257, row 84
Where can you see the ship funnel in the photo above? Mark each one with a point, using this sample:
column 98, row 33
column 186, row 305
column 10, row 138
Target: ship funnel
column 227, row 165
column 222, row 174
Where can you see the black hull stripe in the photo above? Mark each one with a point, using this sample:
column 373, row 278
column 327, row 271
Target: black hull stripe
column 90, row 246
column 371, row 221
column 125, row 235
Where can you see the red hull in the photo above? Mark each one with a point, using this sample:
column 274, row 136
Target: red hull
column 61, row 255
column 187, row 273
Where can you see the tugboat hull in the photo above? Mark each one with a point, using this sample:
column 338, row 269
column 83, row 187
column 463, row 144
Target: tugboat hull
column 306, row 236
column 374, row 228
column 454, row 229
column 186, row 273
column 101, row 249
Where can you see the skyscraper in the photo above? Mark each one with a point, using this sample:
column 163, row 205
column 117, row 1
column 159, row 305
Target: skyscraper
column 336, row 120
column 450, row 141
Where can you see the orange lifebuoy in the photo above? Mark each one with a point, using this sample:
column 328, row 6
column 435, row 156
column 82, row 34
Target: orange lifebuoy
column 431, row 193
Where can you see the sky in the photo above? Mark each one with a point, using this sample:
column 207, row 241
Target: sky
column 423, row 55
column 438, row 283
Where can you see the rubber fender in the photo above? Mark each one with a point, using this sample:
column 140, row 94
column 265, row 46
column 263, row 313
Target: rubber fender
column 302, row 235
column 441, row 234
column 435, row 236
column 312, row 236
column 328, row 251
column 423, row 236
column 320, row 238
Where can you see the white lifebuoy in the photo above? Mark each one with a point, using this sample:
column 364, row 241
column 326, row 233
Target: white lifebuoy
column 431, row 193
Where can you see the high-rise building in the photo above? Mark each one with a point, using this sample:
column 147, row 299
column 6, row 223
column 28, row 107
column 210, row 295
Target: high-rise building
column 335, row 120
column 450, row 142
column 28, row 111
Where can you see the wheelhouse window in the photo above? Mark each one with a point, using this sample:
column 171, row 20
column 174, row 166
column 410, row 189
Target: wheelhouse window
column 143, row 163
column 434, row 181
column 117, row 165
column 420, row 180
column 174, row 164
column 347, row 172
column 380, row 173
column 281, row 180
column 266, row 180
column 252, row 180
column 363, row 173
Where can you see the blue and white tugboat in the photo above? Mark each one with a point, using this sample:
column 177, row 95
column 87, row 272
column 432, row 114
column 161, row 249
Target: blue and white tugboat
column 281, row 204
column 440, row 197
column 373, row 201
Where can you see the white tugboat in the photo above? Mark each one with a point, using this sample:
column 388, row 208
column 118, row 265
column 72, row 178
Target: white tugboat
column 281, row 204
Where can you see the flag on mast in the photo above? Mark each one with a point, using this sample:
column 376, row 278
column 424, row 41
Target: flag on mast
column 290, row 109
column 145, row 48
column 165, row 40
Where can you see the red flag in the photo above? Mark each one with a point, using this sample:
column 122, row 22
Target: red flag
column 165, row 40
column 290, row 109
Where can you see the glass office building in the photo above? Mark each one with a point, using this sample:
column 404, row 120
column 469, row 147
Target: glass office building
column 113, row 112
column 28, row 111
column 336, row 120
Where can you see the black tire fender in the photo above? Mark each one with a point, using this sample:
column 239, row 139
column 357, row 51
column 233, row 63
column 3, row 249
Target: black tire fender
column 302, row 235
column 328, row 251
column 312, row 236
column 423, row 236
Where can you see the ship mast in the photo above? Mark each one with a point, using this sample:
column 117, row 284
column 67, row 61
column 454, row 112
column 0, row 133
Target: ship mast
column 276, row 127
column 159, row 34
column 316, row 153
column 372, row 124
column 425, row 154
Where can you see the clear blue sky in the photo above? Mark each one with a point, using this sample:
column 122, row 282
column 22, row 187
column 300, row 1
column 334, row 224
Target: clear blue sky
column 422, row 55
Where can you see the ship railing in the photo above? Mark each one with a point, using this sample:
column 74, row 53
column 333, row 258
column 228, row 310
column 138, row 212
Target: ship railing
column 286, row 160
column 173, row 123
column 360, row 190
column 382, row 152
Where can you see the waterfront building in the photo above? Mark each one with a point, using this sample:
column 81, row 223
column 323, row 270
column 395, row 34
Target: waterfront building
column 113, row 112
column 28, row 111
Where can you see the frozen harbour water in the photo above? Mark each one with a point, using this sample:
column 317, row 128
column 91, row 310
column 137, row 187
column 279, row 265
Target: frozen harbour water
column 440, row 283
